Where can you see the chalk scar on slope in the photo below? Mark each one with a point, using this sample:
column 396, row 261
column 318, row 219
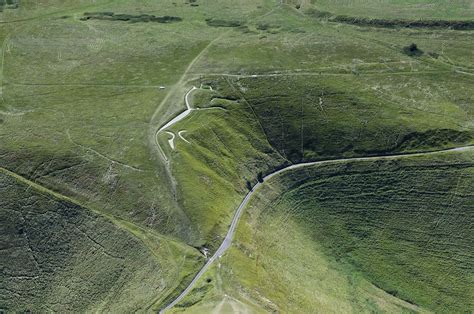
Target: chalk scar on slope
column 175, row 120
column 180, row 134
column 230, row 234
column 179, row 118
column 171, row 140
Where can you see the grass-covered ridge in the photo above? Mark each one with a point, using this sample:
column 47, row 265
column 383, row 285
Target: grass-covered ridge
column 75, row 110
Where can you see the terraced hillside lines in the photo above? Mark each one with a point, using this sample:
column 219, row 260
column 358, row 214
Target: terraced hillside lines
column 404, row 224
column 230, row 233
column 86, row 85
column 324, row 73
column 112, row 161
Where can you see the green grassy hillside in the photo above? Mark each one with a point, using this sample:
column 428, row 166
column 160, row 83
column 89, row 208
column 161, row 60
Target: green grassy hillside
column 325, row 116
column 225, row 148
column 355, row 237
column 101, row 213
column 59, row 256
column 79, row 107
column 254, row 125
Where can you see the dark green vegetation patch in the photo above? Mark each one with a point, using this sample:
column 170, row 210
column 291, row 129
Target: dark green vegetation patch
column 391, row 23
column 457, row 25
column 110, row 16
column 9, row 4
column 223, row 23
column 412, row 50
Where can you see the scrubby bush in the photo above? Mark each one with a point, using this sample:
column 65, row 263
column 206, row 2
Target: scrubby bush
column 412, row 50
column 248, row 185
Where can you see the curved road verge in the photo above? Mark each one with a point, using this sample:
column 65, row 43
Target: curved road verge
column 230, row 233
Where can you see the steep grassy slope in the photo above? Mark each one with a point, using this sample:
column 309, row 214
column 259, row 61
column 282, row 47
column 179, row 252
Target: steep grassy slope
column 81, row 101
column 364, row 108
column 331, row 237
column 77, row 103
column 225, row 148
column 383, row 103
column 307, row 117
column 215, row 134
column 59, row 256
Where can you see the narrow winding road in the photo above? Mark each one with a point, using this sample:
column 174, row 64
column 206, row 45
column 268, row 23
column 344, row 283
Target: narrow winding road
column 230, row 233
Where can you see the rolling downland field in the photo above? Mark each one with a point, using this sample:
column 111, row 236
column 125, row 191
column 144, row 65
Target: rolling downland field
column 131, row 131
